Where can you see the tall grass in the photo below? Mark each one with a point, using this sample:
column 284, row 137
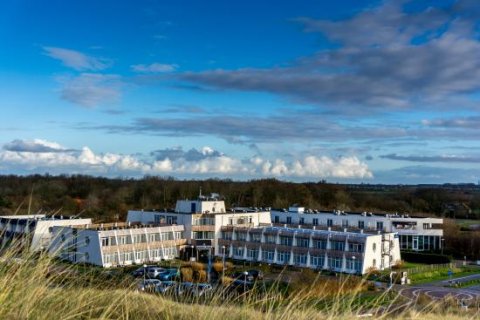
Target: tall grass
column 38, row 287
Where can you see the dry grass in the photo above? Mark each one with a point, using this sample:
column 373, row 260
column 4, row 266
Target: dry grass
column 37, row 288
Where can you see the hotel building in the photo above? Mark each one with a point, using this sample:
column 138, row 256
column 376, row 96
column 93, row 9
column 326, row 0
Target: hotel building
column 415, row 233
column 34, row 231
column 341, row 251
column 202, row 219
column 117, row 244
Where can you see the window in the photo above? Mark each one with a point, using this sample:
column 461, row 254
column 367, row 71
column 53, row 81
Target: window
column 255, row 237
column 270, row 238
column 276, row 219
column 289, row 220
column 315, row 221
column 300, row 259
column 286, row 241
column 361, row 224
column 374, row 263
column 317, row 261
column 227, row 235
column 354, row 264
column 374, row 247
column 87, row 240
column 379, row 225
column 302, row 220
column 303, row 242
column 238, row 251
column 345, row 223
column 337, row 245
column 241, row 236
column 320, row 244
column 252, row 254
column 87, row 256
column 355, row 247
column 334, row 262
column 329, row 222
column 105, row 241
column 283, row 257
column 268, row 255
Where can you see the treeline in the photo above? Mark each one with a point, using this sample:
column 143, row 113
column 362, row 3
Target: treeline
column 109, row 199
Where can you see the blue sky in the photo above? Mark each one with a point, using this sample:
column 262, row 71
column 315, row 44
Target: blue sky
column 346, row 91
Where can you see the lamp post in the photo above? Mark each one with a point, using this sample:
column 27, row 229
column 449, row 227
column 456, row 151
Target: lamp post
column 191, row 255
column 144, row 274
column 245, row 273
column 209, row 270
column 442, row 242
column 353, row 258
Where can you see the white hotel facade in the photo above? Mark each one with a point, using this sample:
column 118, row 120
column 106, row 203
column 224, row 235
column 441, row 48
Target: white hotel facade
column 34, row 230
column 117, row 244
column 202, row 219
column 340, row 251
column 414, row 233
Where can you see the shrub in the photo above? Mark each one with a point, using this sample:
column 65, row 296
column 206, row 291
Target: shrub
column 428, row 258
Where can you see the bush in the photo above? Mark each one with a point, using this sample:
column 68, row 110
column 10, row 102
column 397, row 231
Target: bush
column 187, row 274
column 427, row 258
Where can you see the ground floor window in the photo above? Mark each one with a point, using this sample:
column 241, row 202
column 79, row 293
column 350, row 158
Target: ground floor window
column 300, row 259
column 283, row 257
column 334, row 263
column 268, row 255
column 252, row 254
column 317, row 261
column 354, row 264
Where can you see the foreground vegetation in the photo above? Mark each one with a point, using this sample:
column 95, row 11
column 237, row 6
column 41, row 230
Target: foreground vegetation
column 37, row 287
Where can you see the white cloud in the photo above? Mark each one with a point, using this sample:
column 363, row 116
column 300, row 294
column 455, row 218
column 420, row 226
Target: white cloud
column 76, row 60
column 90, row 90
column 213, row 163
column 154, row 67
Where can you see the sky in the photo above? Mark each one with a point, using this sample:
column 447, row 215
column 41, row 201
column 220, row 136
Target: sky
column 343, row 91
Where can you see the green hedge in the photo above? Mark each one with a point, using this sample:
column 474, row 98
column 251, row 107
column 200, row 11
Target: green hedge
column 427, row 258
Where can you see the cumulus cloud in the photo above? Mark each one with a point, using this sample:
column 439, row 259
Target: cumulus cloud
column 190, row 155
column 203, row 162
column 76, row 60
column 35, row 146
column 387, row 57
column 154, row 67
column 90, row 89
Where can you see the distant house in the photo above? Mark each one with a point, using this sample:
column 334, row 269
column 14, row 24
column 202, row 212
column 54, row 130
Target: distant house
column 457, row 210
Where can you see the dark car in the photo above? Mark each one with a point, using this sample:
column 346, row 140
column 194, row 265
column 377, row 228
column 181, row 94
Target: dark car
column 249, row 276
column 256, row 274
column 139, row 272
column 169, row 275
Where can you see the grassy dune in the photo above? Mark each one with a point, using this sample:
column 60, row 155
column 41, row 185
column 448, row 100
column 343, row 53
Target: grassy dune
column 37, row 287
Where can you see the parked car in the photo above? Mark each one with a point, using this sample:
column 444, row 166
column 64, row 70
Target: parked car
column 149, row 285
column 154, row 272
column 166, row 287
column 201, row 289
column 169, row 275
column 252, row 275
column 139, row 272
column 256, row 274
